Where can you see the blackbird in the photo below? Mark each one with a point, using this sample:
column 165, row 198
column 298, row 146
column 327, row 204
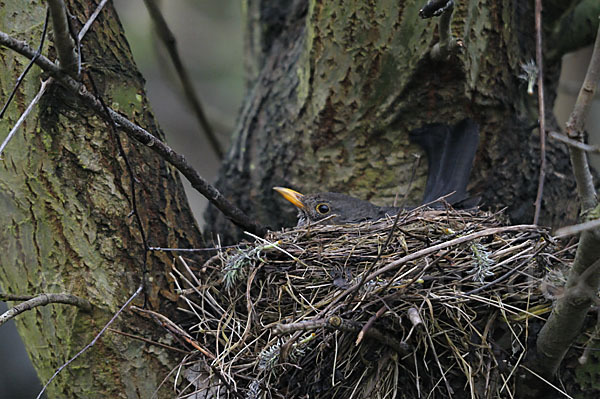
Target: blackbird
column 450, row 152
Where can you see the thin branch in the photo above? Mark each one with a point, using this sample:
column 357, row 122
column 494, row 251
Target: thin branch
column 574, row 143
column 90, row 20
column 545, row 380
column 134, row 131
column 566, row 320
column 12, row 297
column 148, row 341
column 168, row 39
column 132, row 179
column 28, row 67
column 577, row 228
column 25, row 50
column 84, row 30
column 541, row 109
column 506, row 275
column 374, row 333
column 415, row 166
column 160, row 249
column 425, row 251
column 569, row 312
column 575, row 129
column 305, row 325
column 175, row 330
column 459, row 240
column 65, row 46
column 32, row 104
column 370, row 323
column 42, row 300
column 85, row 348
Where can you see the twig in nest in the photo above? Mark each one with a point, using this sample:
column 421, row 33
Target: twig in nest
column 306, row 325
column 175, row 329
column 148, row 341
column 414, row 317
column 346, row 325
column 370, row 323
column 512, row 271
column 297, row 313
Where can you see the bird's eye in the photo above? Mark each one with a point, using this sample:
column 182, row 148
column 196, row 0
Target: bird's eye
column 322, row 209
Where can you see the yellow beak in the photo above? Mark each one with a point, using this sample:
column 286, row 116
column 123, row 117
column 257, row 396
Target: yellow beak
column 293, row 196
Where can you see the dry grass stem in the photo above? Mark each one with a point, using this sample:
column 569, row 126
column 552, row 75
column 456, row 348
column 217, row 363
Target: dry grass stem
column 287, row 316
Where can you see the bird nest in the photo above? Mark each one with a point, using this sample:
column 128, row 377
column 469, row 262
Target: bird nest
column 440, row 304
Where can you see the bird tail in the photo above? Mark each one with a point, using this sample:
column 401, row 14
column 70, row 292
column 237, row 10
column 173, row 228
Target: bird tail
column 450, row 152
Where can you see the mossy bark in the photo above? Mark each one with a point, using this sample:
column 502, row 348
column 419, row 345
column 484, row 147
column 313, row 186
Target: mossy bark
column 65, row 223
column 335, row 87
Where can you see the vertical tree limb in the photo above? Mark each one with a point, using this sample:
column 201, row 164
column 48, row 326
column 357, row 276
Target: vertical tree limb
column 575, row 129
column 568, row 315
column 539, row 59
column 64, row 43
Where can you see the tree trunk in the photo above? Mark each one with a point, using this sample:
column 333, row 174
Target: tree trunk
column 65, row 222
column 334, row 89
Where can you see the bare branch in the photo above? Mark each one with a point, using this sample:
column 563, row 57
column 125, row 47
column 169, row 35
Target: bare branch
column 566, row 320
column 85, row 348
column 539, row 60
column 28, row 67
column 42, row 300
column 168, row 39
column 175, row 330
column 220, row 247
column 25, row 50
column 569, row 313
column 64, row 43
column 575, row 143
column 90, row 20
column 236, row 215
column 349, row 326
column 32, row 104
column 12, row 297
column 575, row 128
column 577, row 228
column 148, row 341
column 432, row 249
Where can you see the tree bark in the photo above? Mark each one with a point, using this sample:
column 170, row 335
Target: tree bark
column 334, row 89
column 65, row 216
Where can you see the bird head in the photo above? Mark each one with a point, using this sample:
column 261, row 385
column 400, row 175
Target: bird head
column 340, row 207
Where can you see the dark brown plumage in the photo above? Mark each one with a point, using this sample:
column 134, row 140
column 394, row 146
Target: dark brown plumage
column 341, row 208
column 450, row 153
